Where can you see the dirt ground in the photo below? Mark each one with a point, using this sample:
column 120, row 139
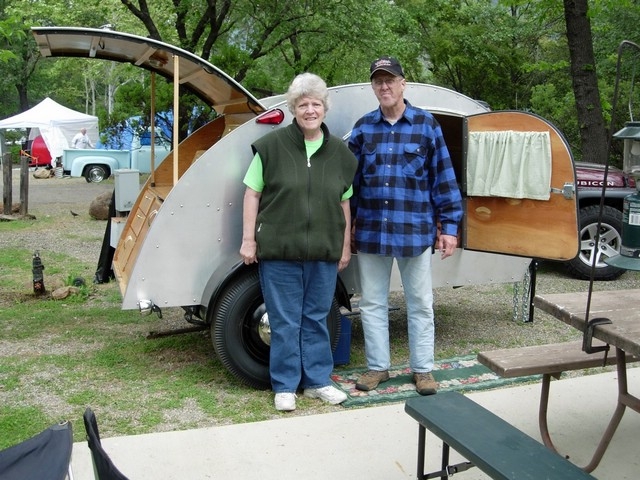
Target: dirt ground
column 65, row 191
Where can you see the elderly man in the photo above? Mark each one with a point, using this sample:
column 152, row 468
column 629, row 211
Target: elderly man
column 405, row 184
column 81, row 140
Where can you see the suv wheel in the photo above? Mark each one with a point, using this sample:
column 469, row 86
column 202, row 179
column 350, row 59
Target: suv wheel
column 609, row 245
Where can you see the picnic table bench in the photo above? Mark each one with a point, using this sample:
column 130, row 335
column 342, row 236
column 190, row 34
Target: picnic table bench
column 485, row 440
column 550, row 361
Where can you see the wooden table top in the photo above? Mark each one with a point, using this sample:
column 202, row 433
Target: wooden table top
column 622, row 307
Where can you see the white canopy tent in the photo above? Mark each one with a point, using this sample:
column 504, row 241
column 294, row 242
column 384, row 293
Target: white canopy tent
column 57, row 124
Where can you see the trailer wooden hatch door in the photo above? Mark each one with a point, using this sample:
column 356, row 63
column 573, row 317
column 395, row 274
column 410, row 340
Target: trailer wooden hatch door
column 512, row 217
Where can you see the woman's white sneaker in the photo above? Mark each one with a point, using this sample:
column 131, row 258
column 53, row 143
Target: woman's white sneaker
column 329, row 394
column 285, row 402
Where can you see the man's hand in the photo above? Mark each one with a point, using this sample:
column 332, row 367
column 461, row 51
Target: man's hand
column 446, row 245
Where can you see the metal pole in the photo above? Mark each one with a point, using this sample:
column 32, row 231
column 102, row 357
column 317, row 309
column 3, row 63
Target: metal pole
column 7, row 191
column 176, row 115
column 153, row 129
column 614, row 104
column 24, row 185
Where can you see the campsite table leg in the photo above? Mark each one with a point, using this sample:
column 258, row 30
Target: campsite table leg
column 422, row 443
column 445, row 460
column 542, row 412
column 422, row 434
column 625, row 399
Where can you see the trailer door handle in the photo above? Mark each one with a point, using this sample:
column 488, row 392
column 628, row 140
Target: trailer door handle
column 567, row 190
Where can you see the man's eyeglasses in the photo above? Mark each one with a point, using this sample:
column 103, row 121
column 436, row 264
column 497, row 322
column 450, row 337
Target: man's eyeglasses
column 379, row 82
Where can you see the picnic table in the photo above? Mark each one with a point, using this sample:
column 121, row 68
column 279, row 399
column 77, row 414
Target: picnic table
column 614, row 318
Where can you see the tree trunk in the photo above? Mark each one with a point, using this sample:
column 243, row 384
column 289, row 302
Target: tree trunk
column 21, row 87
column 593, row 133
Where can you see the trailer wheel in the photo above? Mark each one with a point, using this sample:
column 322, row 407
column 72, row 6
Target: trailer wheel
column 241, row 334
column 95, row 173
column 610, row 242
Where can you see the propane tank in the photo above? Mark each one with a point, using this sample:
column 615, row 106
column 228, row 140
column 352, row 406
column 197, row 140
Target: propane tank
column 38, row 276
column 631, row 226
column 629, row 257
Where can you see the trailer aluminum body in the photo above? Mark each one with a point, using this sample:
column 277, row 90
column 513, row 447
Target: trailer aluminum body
column 179, row 246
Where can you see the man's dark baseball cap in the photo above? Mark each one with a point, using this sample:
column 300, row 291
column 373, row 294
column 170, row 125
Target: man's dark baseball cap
column 387, row 64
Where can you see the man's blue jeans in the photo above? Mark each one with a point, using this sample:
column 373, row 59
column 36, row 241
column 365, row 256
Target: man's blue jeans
column 415, row 272
column 298, row 298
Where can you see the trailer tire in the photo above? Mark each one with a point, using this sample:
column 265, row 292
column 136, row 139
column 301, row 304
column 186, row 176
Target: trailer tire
column 95, row 173
column 235, row 330
column 610, row 242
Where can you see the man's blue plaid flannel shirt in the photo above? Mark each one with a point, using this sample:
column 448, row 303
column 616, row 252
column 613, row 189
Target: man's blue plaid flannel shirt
column 404, row 180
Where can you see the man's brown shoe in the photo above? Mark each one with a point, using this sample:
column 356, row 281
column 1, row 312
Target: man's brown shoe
column 425, row 384
column 371, row 378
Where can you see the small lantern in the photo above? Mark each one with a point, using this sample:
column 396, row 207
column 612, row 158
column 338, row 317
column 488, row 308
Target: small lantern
column 629, row 257
column 38, row 276
column 631, row 156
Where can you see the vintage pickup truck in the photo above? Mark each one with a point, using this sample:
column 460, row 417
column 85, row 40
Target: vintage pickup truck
column 97, row 164
column 179, row 246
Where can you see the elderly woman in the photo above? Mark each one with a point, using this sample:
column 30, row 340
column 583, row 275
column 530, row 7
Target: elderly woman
column 296, row 222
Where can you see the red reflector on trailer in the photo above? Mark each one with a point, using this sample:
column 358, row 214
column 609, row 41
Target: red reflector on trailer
column 272, row 117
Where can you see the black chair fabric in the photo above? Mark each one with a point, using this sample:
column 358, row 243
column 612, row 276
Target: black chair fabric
column 104, row 467
column 45, row 456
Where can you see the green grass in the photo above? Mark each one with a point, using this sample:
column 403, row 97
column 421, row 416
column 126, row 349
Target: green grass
column 59, row 356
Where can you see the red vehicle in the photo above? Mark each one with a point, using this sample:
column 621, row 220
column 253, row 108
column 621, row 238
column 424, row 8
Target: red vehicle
column 37, row 152
column 589, row 179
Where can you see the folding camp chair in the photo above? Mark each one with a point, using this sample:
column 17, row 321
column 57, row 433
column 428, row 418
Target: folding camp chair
column 46, row 456
column 103, row 467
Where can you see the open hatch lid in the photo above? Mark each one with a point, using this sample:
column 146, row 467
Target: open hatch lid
column 200, row 77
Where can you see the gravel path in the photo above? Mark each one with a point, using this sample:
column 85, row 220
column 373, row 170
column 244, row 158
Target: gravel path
column 55, row 228
column 77, row 237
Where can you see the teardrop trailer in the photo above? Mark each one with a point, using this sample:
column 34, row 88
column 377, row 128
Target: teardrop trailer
column 179, row 244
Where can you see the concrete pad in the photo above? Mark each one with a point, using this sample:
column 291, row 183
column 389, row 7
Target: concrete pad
column 375, row 442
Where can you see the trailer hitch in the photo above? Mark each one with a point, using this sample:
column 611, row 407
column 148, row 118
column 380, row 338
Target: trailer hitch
column 147, row 307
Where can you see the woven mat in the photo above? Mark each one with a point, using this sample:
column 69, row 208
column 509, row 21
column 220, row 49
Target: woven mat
column 462, row 374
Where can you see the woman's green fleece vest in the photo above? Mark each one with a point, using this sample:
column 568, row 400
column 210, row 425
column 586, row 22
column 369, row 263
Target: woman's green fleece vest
column 300, row 217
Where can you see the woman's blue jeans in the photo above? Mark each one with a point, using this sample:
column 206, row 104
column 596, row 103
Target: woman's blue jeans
column 415, row 272
column 298, row 298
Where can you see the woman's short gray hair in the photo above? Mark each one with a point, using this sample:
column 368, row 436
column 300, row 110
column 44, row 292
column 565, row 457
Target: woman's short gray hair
column 307, row 85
